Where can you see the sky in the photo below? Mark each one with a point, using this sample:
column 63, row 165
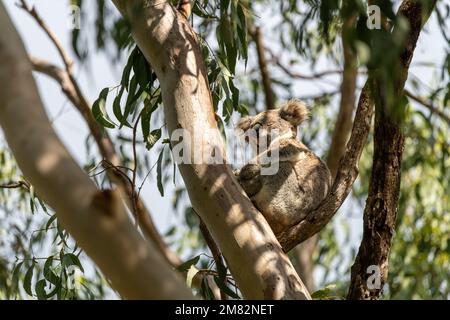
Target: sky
column 72, row 130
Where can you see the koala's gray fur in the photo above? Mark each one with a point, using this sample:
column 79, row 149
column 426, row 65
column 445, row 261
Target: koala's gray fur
column 302, row 180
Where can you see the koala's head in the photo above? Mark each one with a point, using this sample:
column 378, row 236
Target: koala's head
column 281, row 122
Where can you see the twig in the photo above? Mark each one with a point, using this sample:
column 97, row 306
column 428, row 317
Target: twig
column 15, row 185
column 32, row 11
column 217, row 255
column 428, row 105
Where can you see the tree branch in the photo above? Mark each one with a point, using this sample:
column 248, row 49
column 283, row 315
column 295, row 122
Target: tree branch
column 265, row 75
column 304, row 252
column 254, row 256
column 346, row 174
column 72, row 90
column 15, row 185
column 428, row 105
column 31, row 10
column 343, row 124
column 97, row 219
column 380, row 213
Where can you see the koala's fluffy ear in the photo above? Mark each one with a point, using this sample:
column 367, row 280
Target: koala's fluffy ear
column 294, row 111
column 245, row 123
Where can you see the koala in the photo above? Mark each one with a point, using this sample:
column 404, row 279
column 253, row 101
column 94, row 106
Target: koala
column 302, row 180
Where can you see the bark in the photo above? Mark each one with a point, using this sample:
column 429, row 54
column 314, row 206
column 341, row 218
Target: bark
column 96, row 219
column 381, row 208
column 253, row 254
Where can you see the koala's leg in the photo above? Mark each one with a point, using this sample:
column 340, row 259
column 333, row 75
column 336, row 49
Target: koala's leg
column 250, row 179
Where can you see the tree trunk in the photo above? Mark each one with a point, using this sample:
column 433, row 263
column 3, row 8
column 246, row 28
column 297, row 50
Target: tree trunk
column 370, row 270
column 253, row 254
column 97, row 220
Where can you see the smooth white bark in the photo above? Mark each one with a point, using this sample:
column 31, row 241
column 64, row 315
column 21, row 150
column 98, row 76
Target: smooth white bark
column 253, row 254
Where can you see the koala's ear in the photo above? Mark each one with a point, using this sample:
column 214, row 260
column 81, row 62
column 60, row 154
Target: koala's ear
column 245, row 123
column 294, row 111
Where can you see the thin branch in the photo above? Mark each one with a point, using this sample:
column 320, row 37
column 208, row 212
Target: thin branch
column 265, row 75
column 342, row 128
column 343, row 124
column 217, row 255
column 15, row 185
column 428, row 105
column 277, row 61
column 31, row 10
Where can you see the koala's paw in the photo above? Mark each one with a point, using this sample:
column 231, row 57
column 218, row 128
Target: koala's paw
column 249, row 171
column 249, row 178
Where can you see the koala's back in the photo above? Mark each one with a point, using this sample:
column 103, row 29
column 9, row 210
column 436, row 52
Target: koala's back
column 298, row 188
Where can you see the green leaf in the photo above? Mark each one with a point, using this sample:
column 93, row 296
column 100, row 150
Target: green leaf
column 132, row 97
column 159, row 173
column 153, row 137
column 186, row 265
column 324, row 293
column 227, row 109
column 16, row 273
column 56, row 290
column 142, row 70
column 40, row 289
column 146, row 117
column 127, row 70
column 99, row 110
column 69, row 259
column 50, row 221
column 234, row 95
column 242, row 32
column 48, row 272
column 28, row 278
column 43, row 206
column 117, row 110
column 199, row 11
column 223, row 287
